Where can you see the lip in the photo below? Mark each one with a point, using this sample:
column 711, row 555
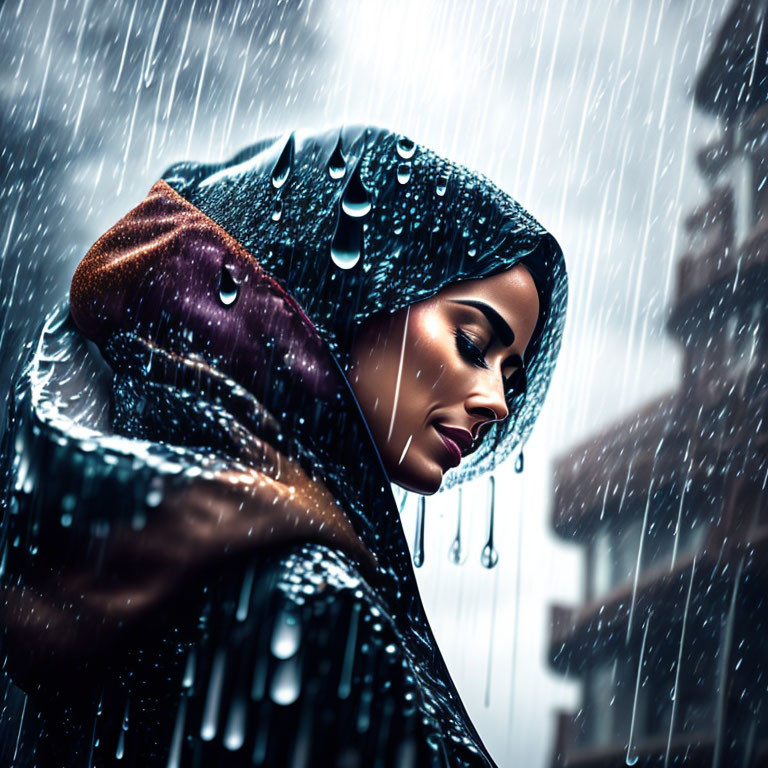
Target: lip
column 455, row 440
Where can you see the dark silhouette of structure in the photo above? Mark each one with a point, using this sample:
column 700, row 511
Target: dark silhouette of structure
column 671, row 504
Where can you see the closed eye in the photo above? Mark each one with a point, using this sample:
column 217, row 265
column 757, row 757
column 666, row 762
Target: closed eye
column 514, row 384
column 469, row 350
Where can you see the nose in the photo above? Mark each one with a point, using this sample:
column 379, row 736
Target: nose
column 487, row 403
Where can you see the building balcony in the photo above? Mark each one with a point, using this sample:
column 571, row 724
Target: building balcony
column 712, row 158
column 692, row 435
column 710, row 228
column 732, row 80
column 599, row 629
column 713, row 284
column 594, row 476
column 581, row 636
column 694, row 750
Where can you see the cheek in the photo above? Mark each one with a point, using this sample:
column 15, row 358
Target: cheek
column 425, row 360
column 434, row 356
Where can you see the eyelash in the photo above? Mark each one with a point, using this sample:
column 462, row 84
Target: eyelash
column 469, row 350
column 475, row 356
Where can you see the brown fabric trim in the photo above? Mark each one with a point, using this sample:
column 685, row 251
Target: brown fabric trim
column 125, row 251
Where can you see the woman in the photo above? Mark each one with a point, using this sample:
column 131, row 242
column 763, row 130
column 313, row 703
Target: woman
column 203, row 561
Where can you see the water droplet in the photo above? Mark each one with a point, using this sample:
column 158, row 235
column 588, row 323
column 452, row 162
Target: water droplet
column 356, row 200
column 286, row 636
column 154, row 497
column 337, row 165
column 457, row 553
column 346, row 259
column 228, row 288
column 345, row 680
column 286, row 682
column 418, row 544
column 519, row 462
column 66, row 520
column 126, row 712
column 259, row 753
column 174, row 755
column 284, row 163
column 405, row 148
column 138, row 520
column 277, row 210
column 489, row 557
column 234, row 732
column 244, row 600
column 189, row 670
column 347, row 243
column 632, row 759
column 213, row 697
column 442, row 185
column 403, row 173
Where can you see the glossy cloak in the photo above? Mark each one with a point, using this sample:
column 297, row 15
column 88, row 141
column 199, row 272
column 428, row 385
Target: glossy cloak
column 203, row 560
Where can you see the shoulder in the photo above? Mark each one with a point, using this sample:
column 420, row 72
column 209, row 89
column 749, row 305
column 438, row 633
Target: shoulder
column 307, row 645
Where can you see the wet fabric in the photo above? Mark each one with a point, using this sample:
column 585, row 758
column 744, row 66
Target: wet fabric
column 358, row 220
column 195, row 383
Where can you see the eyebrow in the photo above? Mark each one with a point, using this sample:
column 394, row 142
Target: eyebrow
column 498, row 323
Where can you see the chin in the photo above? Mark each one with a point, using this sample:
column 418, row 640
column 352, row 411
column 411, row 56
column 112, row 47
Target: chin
column 424, row 482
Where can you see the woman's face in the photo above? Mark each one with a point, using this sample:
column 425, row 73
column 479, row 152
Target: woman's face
column 429, row 376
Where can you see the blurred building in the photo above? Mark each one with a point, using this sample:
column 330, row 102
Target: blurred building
column 671, row 504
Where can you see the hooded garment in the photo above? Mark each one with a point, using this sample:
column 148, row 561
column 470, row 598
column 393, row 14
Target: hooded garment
column 202, row 559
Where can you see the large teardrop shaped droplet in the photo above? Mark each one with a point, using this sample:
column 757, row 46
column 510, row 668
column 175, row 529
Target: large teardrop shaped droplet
column 228, row 287
column 284, row 163
column 489, row 557
column 277, row 210
column 347, row 243
column 441, row 185
column 356, row 200
column 418, row 543
column 519, row 462
column 457, row 553
column 405, row 148
column 337, row 164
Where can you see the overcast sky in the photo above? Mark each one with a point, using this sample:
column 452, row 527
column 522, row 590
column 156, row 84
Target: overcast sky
column 581, row 110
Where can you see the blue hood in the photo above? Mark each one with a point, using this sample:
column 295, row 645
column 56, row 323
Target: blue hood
column 358, row 220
